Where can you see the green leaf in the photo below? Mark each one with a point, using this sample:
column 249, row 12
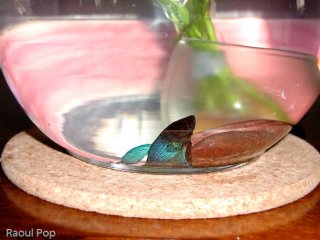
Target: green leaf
column 176, row 12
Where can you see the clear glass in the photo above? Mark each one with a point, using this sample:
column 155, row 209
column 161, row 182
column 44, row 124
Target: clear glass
column 221, row 83
column 102, row 77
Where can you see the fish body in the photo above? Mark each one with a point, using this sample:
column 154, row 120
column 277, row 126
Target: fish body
column 234, row 143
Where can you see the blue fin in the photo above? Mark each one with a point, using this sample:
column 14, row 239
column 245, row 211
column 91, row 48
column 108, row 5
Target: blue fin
column 135, row 154
column 173, row 144
column 161, row 151
column 171, row 148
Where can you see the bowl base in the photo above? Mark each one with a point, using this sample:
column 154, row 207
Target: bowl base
column 158, row 170
column 285, row 173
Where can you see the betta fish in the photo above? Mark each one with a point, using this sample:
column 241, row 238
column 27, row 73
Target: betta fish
column 230, row 144
column 171, row 148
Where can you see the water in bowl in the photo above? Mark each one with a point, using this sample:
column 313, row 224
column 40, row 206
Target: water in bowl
column 99, row 95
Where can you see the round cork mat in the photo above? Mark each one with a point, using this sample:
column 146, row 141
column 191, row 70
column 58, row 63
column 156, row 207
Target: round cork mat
column 285, row 173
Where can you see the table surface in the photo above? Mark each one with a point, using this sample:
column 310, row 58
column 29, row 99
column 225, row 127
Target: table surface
column 21, row 211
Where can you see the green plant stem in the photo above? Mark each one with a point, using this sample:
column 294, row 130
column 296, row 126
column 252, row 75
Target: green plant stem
column 192, row 20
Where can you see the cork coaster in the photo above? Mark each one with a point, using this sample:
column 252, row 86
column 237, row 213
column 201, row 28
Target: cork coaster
column 285, row 173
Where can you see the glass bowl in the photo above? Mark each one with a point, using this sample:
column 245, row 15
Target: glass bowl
column 222, row 83
column 101, row 85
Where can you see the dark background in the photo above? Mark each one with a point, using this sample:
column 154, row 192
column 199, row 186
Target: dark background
column 265, row 8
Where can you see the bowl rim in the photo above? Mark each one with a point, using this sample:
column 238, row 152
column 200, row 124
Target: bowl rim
column 271, row 51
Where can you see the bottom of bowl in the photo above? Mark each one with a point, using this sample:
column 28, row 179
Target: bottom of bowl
column 159, row 170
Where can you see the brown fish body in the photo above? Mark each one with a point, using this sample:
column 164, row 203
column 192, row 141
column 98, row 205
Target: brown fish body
column 236, row 143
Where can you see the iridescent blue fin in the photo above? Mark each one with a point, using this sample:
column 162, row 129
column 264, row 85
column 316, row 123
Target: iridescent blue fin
column 135, row 154
column 162, row 151
column 172, row 147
